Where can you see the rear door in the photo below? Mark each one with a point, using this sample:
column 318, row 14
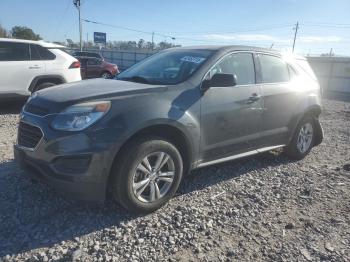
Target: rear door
column 230, row 116
column 280, row 99
column 17, row 69
column 46, row 58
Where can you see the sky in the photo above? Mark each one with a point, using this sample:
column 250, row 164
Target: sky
column 323, row 24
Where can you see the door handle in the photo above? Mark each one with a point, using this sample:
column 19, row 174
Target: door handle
column 35, row 67
column 253, row 98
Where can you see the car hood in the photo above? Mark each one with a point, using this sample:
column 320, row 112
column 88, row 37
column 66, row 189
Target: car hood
column 94, row 89
column 88, row 90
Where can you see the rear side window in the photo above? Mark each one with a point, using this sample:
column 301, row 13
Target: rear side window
column 239, row 64
column 292, row 72
column 306, row 68
column 94, row 62
column 87, row 54
column 14, row 51
column 41, row 53
column 273, row 69
column 34, row 53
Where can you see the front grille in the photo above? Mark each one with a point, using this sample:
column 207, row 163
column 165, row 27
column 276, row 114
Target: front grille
column 28, row 135
column 36, row 110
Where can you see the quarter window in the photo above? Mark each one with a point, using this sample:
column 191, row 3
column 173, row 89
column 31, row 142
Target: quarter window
column 292, row 72
column 239, row 64
column 14, row 51
column 273, row 69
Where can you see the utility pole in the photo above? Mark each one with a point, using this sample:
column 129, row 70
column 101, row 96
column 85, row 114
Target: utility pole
column 152, row 40
column 77, row 4
column 295, row 34
column 331, row 52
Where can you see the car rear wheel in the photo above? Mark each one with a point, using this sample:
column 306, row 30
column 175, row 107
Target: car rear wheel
column 147, row 174
column 106, row 75
column 303, row 139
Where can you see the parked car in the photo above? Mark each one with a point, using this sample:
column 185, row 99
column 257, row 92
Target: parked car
column 178, row 110
column 28, row 66
column 88, row 54
column 95, row 67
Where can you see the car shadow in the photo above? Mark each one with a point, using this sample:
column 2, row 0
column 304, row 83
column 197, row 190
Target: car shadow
column 12, row 106
column 34, row 216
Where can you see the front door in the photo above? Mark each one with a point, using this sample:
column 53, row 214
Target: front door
column 231, row 116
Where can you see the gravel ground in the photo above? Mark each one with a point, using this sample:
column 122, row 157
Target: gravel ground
column 260, row 208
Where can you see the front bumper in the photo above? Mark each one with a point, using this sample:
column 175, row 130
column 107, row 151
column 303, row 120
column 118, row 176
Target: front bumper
column 76, row 164
column 64, row 184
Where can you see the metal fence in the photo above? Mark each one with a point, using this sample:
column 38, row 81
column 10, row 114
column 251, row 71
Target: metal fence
column 333, row 73
column 124, row 59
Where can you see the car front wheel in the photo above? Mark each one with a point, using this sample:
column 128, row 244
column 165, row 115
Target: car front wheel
column 106, row 75
column 147, row 174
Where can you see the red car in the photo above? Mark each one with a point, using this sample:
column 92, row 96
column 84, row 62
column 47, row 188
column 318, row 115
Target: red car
column 92, row 67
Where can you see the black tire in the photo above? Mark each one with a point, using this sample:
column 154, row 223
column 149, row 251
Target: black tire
column 106, row 75
column 43, row 86
column 126, row 165
column 292, row 150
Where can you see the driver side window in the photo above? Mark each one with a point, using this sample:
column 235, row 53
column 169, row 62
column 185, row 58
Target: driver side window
column 239, row 64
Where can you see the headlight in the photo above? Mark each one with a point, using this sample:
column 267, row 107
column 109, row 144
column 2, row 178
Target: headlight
column 80, row 116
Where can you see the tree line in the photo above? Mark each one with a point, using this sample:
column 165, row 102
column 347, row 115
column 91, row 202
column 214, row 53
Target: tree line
column 20, row 32
column 23, row 32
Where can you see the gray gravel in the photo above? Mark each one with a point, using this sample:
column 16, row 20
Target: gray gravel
column 260, row 208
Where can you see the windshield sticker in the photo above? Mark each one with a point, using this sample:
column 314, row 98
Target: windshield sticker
column 193, row 59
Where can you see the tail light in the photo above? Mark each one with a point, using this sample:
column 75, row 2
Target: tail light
column 75, row 64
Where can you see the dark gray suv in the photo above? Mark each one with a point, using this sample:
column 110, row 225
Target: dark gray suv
column 178, row 110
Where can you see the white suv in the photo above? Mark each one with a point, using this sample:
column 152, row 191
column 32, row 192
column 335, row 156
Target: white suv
column 27, row 66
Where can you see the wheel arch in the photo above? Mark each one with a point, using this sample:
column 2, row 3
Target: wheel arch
column 56, row 79
column 313, row 111
column 167, row 131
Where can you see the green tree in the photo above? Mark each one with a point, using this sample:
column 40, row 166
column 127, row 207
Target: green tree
column 3, row 32
column 164, row 45
column 23, row 32
column 141, row 44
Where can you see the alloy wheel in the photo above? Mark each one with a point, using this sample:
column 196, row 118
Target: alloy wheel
column 153, row 177
column 305, row 137
column 106, row 75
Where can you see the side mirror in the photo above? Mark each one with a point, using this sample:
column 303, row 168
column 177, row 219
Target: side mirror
column 220, row 80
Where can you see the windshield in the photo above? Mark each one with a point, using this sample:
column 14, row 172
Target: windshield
column 166, row 68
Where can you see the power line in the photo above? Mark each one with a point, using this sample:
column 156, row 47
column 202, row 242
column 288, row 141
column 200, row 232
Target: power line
column 128, row 28
column 62, row 18
column 178, row 37
column 193, row 39
column 331, row 25
column 236, row 31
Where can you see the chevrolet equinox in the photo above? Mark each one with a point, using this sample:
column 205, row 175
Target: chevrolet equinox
column 136, row 136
